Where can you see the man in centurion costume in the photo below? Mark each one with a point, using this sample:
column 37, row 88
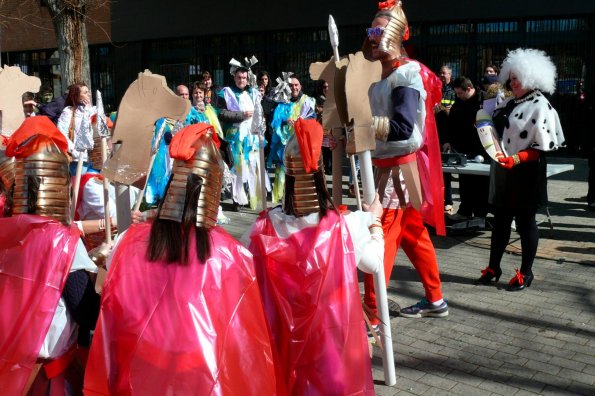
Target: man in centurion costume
column 305, row 255
column 181, row 311
column 407, row 157
column 47, row 296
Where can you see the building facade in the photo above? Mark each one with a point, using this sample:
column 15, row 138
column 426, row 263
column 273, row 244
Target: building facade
column 182, row 38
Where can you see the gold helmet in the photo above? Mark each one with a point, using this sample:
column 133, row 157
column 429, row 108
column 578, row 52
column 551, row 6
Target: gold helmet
column 42, row 182
column 205, row 162
column 6, row 169
column 305, row 196
column 395, row 32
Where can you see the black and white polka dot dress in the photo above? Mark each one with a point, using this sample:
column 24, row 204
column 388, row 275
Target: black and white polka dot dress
column 527, row 122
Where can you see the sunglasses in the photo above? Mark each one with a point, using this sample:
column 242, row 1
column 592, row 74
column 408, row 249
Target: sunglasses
column 375, row 31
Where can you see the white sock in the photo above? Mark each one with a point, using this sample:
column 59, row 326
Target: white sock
column 437, row 303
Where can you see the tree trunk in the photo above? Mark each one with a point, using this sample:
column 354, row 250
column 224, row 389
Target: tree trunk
column 71, row 34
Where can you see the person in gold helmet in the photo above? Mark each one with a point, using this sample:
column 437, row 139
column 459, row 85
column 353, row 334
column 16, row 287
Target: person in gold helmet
column 306, row 253
column 48, row 299
column 181, row 310
column 402, row 105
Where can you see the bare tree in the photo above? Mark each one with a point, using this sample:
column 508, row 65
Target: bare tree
column 68, row 17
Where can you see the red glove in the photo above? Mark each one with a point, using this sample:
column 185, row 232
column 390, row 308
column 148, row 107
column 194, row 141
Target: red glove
column 521, row 156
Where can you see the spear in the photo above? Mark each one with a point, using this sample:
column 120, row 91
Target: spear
column 337, row 155
column 103, row 131
column 388, row 361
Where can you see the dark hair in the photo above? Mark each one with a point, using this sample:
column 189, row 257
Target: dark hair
column 325, row 202
column 74, row 92
column 241, row 69
column 261, row 74
column 496, row 68
column 462, row 82
column 205, row 75
column 169, row 239
column 294, row 75
column 28, row 96
column 199, row 85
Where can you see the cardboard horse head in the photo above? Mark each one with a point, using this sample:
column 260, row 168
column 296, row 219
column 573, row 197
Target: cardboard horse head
column 13, row 84
column 146, row 100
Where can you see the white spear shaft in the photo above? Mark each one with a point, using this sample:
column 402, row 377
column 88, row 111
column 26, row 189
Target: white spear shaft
column 388, row 359
column 338, row 151
column 103, row 133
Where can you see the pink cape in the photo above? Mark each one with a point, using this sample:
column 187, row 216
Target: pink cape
column 36, row 254
column 170, row 329
column 311, row 296
column 429, row 159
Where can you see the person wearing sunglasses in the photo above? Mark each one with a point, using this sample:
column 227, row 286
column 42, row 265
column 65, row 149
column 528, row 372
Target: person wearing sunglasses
column 402, row 105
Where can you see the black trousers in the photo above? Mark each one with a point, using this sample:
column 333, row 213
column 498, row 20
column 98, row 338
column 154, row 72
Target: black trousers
column 527, row 229
column 474, row 190
column 447, row 188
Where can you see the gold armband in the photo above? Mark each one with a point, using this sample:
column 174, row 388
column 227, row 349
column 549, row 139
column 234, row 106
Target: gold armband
column 516, row 159
column 381, row 128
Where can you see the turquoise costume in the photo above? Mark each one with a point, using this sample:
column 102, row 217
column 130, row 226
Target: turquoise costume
column 302, row 106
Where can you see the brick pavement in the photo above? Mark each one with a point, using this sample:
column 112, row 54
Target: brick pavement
column 539, row 341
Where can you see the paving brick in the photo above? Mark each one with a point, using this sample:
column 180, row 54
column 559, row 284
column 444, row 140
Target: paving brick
column 580, row 389
column 517, row 360
column 437, row 381
column 543, row 367
column 567, row 363
column 498, row 388
column 578, row 376
column 463, row 389
column 555, row 391
column 413, row 387
column 551, row 380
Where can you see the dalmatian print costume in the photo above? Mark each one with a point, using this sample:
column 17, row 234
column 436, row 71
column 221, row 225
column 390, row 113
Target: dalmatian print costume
column 533, row 123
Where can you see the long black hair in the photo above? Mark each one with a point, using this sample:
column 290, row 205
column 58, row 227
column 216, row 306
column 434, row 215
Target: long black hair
column 325, row 202
column 169, row 239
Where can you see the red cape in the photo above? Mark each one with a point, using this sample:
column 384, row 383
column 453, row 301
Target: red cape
column 311, row 296
column 35, row 259
column 169, row 329
column 430, row 170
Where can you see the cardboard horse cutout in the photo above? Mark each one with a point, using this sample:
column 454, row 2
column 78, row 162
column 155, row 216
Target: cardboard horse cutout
column 146, row 100
column 13, row 84
column 334, row 113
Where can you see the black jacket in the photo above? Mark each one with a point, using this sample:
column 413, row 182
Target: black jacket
column 462, row 134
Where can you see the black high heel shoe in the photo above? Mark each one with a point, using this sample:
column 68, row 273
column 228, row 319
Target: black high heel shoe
column 520, row 281
column 488, row 274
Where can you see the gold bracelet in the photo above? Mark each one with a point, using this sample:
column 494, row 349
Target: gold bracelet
column 381, row 127
column 516, row 159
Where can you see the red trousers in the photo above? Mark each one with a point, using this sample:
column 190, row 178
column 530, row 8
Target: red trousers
column 406, row 228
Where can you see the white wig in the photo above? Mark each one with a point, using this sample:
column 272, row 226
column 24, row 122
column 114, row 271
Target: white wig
column 533, row 68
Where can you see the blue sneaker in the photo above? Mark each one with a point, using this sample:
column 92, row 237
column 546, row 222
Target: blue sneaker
column 425, row 309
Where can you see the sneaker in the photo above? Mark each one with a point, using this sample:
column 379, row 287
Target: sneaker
column 375, row 327
column 423, row 309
